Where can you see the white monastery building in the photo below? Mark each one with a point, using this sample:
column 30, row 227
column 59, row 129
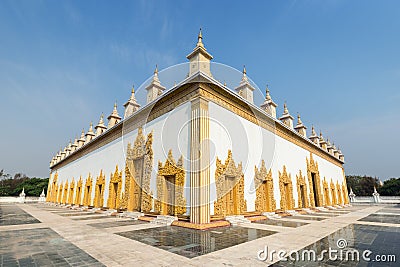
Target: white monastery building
column 232, row 157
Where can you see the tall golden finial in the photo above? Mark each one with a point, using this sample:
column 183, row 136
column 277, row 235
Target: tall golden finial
column 244, row 69
column 200, row 39
column 285, row 109
column 133, row 88
column 156, row 70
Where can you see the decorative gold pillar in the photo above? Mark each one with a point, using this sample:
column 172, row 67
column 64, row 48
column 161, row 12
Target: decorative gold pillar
column 199, row 162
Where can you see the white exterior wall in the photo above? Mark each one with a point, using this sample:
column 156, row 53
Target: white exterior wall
column 169, row 132
column 250, row 144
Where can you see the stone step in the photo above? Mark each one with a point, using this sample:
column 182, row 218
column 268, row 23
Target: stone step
column 164, row 219
column 237, row 219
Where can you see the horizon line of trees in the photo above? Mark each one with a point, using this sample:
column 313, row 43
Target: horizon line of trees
column 364, row 185
column 12, row 186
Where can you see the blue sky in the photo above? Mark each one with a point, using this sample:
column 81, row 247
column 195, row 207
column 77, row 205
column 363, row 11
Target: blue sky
column 336, row 62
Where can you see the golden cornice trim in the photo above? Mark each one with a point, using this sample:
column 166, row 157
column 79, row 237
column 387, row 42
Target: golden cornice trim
column 146, row 114
column 240, row 107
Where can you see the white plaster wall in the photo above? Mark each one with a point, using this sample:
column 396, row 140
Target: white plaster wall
column 250, row 144
column 170, row 131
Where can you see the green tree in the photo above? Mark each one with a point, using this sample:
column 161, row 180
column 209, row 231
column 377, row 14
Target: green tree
column 13, row 186
column 362, row 185
column 390, row 187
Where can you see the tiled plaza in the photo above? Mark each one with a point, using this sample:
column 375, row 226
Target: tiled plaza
column 45, row 235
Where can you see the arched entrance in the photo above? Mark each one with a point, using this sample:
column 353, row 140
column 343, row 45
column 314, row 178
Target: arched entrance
column 286, row 190
column 229, row 181
column 334, row 200
column 325, row 187
column 302, row 194
column 65, row 194
column 87, row 198
column 99, row 190
column 314, row 182
column 78, row 192
column 264, row 185
column 114, row 190
column 170, row 185
column 71, row 192
column 138, row 167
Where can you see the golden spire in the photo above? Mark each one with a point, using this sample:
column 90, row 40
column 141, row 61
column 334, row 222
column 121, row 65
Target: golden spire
column 156, row 70
column 299, row 122
column 267, row 95
column 200, row 39
column 133, row 89
column 285, row 109
column 244, row 69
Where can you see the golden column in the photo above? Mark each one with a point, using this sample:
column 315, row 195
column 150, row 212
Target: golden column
column 200, row 162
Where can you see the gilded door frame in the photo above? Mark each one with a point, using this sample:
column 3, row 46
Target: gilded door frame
column 286, row 190
column 171, row 168
column 114, row 198
column 312, row 168
column 301, row 182
column 229, row 169
column 264, row 186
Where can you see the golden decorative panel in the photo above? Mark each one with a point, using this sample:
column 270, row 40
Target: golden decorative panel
column 344, row 192
column 229, row 181
column 65, row 192
column 99, row 190
column 325, row 187
column 344, row 189
column 52, row 192
column 138, row 167
column 78, row 192
column 302, row 193
column 60, row 191
column 286, row 189
column 170, row 187
column 264, row 185
column 114, row 190
column 71, row 192
column 339, row 194
column 334, row 199
column 87, row 196
column 314, row 181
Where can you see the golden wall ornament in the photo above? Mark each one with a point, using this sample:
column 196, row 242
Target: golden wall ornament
column 264, row 185
column 325, row 187
column 302, row 194
column 229, row 181
column 339, row 194
column 170, row 187
column 114, row 190
column 71, row 192
column 78, row 195
column 312, row 171
column 53, row 189
column 87, row 198
column 344, row 192
column 60, row 191
column 99, row 190
column 286, row 190
column 65, row 192
column 334, row 199
column 138, row 167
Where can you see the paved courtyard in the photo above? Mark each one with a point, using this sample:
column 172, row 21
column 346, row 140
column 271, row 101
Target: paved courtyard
column 45, row 235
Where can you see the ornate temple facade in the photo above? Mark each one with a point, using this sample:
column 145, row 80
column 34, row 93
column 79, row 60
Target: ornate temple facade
column 135, row 164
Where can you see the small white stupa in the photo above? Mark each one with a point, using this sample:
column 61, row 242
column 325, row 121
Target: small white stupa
column 22, row 196
column 42, row 197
